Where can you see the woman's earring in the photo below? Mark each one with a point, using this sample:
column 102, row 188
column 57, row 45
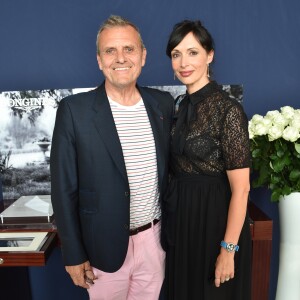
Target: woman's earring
column 208, row 71
column 174, row 76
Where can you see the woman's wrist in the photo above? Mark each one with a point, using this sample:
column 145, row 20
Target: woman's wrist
column 229, row 247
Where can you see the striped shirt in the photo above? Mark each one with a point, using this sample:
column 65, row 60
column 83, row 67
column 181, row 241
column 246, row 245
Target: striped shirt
column 138, row 145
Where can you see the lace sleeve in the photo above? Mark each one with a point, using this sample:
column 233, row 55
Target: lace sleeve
column 235, row 139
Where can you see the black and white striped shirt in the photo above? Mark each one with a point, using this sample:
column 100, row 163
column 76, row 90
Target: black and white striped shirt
column 138, row 145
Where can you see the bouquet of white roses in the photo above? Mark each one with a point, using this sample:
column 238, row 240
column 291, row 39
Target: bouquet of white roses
column 275, row 150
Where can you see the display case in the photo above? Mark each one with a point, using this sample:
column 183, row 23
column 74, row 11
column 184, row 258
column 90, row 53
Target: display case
column 28, row 209
column 27, row 231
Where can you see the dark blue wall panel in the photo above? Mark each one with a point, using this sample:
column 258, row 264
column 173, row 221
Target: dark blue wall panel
column 52, row 282
column 51, row 44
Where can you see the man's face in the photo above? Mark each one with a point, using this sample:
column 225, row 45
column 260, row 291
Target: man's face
column 121, row 56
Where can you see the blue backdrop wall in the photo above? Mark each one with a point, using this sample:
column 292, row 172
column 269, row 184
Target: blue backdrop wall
column 51, row 44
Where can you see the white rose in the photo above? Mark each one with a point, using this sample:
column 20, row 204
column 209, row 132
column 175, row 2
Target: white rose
column 291, row 134
column 287, row 112
column 250, row 124
column 251, row 134
column 251, row 128
column 261, row 129
column 275, row 132
column 280, row 120
column 256, row 118
column 296, row 121
column 297, row 113
column 266, row 122
column 272, row 114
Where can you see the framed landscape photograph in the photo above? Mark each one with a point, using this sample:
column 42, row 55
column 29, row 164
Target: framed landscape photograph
column 26, row 124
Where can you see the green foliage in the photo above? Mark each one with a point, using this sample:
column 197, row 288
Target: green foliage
column 4, row 162
column 275, row 150
column 16, row 183
column 277, row 164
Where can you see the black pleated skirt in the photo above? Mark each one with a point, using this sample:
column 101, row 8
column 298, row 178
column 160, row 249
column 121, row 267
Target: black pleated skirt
column 196, row 209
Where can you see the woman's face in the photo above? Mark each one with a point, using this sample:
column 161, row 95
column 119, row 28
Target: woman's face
column 190, row 62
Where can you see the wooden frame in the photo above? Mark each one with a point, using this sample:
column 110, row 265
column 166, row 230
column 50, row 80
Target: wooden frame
column 21, row 241
column 30, row 258
column 261, row 231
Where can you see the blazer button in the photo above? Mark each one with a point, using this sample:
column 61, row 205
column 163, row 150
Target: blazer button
column 127, row 194
column 126, row 226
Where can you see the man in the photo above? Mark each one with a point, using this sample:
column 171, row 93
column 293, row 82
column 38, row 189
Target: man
column 108, row 173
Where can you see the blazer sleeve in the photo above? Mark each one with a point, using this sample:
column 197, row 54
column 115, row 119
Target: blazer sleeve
column 64, row 186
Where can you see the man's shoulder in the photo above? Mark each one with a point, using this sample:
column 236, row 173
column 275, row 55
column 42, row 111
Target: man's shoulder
column 156, row 91
column 80, row 97
column 163, row 97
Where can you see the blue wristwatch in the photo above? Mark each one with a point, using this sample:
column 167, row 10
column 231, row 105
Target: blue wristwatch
column 230, row 247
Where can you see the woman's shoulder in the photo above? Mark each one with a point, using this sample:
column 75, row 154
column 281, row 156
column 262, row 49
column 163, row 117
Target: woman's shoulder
column 224, row 101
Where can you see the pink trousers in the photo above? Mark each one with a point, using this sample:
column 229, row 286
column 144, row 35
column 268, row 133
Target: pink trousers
column 142, row 274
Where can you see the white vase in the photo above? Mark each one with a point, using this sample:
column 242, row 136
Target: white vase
column 288, row 285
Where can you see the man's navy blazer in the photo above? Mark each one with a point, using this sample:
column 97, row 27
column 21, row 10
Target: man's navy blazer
column 89, row 185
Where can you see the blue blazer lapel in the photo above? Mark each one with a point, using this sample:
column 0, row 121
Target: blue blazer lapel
column 105, row 125
column 157, row 123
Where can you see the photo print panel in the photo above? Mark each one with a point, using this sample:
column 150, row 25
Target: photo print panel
column 26, row 124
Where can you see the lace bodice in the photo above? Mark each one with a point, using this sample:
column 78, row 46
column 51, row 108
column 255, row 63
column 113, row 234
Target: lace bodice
column 210, row 135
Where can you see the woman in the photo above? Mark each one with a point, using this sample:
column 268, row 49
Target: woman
column 206, row 231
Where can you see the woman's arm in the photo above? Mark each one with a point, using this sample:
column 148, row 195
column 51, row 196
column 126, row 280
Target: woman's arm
column 240, row 186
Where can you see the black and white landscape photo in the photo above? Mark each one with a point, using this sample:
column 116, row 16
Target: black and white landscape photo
column 26, row 124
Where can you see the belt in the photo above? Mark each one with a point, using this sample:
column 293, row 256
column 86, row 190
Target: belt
column 142, row 228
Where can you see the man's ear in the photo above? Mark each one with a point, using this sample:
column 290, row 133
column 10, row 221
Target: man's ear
column 99, row 62
column 144, row 56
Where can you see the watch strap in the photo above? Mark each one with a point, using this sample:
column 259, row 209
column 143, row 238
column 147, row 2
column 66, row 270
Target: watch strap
column 230, row 247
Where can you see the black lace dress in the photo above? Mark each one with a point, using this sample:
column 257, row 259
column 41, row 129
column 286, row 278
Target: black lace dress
column 210, row 136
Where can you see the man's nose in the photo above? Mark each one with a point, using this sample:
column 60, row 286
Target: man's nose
column 120, row 57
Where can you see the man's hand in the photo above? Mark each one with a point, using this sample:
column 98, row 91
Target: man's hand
column 82, row 275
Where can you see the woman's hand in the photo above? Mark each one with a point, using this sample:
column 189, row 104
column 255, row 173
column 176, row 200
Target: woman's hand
column 224, row 267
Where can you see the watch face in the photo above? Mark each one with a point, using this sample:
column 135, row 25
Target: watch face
column 230, row 247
